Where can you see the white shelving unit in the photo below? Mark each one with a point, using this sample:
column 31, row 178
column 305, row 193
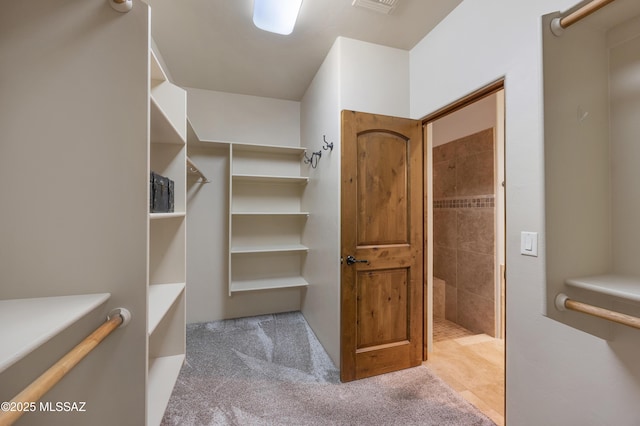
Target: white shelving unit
column 63, row 273
column 48, row 316
column 166, row 319
column 265, row 218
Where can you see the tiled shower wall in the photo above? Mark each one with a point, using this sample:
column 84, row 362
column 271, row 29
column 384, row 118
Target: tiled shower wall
column 464, row 229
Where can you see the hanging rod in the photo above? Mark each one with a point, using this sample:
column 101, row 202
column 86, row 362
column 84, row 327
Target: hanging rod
column 558, row 25
column 563, row 303
column 192, row 168
column 40, row 386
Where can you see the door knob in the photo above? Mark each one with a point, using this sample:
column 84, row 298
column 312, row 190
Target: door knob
column 351, row 260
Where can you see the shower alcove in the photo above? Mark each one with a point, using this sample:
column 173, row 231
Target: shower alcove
column 592, row 164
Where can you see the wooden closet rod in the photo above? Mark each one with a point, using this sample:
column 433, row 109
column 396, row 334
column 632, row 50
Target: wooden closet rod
column 48, row 379
column 559, row 24
column 563, row 303
column 191, row 167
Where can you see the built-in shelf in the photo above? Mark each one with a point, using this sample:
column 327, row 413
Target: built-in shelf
column 269, row 249
column 161, row 297
column 25, row 324
column 155, row 216
column 166, row 243
column 270, row 213
column 270, row 179
column 163, row 373
column 621, row 286
column 194, row 141
column 265, row 190
column 268, row 283
column 168, row 107
column 268, row 149
column 162, row 129
column 157, row 73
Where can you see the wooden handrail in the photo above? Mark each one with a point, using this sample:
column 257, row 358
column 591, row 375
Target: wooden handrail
column 563, row 303
column 559, row 24
column 583, row 12
column 56, row 372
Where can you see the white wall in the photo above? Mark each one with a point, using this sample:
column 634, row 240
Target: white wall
column 556, row 375
column 219, row 116
column 373, row 78
column 357, row 76
column 320, row 115
column 474, row 118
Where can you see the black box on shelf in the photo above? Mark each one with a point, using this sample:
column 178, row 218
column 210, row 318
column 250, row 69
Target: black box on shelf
column 161, row 198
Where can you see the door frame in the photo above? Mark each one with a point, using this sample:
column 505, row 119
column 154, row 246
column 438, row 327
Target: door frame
column 427, row 124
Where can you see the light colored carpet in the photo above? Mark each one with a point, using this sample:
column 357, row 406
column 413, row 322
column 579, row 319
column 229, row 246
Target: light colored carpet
column 271, row 370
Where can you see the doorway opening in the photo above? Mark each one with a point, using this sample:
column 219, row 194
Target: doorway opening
column 465, row 248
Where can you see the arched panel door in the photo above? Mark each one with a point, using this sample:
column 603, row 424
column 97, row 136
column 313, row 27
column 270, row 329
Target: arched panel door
column 382, row 244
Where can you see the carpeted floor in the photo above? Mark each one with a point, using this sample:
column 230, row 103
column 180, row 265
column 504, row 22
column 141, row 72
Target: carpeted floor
column 271, row 370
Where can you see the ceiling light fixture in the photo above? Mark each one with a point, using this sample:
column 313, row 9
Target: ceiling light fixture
column 276, row 16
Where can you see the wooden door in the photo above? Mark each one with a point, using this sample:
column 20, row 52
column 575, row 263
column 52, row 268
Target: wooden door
column 381, row 229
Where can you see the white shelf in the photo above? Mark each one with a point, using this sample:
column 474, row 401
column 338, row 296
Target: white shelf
column 269, row 249
column 270, row 213
column 163, row 373
column 157, row 73
column 161, row 298
column 268, row 283
column 193, row 140
column 154, row 216
column 624, row 287
column 269, row 149
column 162, row 129
column 25, row 324
column 270, row 179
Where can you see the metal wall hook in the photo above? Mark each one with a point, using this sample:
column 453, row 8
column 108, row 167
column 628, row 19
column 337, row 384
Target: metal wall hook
column 315, row 156
column 313, row 160
column 328, row 146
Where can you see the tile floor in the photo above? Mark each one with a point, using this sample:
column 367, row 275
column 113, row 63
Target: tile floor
column 471, row 364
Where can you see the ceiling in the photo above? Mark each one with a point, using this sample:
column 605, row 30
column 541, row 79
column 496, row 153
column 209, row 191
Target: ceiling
column 213, row 44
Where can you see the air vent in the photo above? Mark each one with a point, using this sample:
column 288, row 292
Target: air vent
column 382, row 6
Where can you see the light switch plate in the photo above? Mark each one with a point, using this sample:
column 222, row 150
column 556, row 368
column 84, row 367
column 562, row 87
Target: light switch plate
column 529, row 243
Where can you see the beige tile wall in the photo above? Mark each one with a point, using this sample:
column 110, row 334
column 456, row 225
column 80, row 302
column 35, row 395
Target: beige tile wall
column 464, row 229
